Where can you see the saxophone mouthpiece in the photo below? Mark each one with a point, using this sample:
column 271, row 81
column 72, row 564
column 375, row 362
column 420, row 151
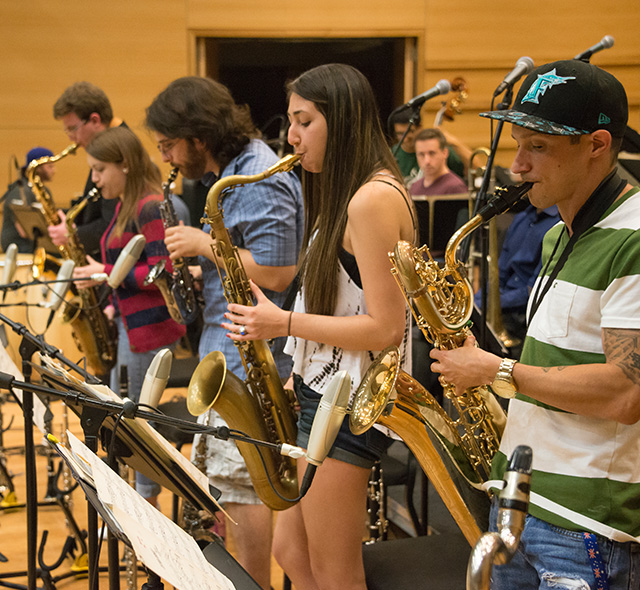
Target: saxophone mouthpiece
column 503, row 200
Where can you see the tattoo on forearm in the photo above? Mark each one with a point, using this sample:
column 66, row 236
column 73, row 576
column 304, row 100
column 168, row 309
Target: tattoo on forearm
column 622, row 348
column 549, row 369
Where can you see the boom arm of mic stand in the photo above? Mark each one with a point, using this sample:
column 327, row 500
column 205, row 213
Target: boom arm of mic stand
column 131, row 410
column 481, row 199
column 415, row 115
column 47, row 349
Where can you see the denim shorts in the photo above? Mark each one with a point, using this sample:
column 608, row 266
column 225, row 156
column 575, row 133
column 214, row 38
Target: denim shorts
column 551, row 557
column 362, row 450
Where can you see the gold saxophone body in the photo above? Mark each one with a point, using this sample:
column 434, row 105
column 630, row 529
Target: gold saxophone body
column 177, row 289
column 91, row 329
column 259, row 406
column 454, row 452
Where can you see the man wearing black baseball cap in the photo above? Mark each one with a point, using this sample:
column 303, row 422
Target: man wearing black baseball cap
column 576, row 388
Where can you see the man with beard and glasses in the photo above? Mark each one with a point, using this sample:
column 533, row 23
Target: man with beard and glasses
column 202, row 131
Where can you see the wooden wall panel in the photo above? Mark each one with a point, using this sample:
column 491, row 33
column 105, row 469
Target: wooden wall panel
column 130, row 49
column 483, row 42
column 321, row 17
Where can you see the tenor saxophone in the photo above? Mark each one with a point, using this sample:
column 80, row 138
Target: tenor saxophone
column 92, row 332
column 259, row 406
column 454, row 452
column 177, row 289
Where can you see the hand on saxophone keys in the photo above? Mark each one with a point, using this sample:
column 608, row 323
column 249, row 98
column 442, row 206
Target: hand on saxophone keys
column 261, row 321
column 183, row 241
column 58, row 233
column 464, row 367
column 93, row 267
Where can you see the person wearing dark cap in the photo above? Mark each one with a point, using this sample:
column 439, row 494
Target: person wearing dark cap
column 577, row 386
column 19, row 192
column 85, row 110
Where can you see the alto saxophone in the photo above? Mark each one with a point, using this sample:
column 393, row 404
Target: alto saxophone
column 259, row 406
column 455, row 453
column 92, row 332
column 177, row 289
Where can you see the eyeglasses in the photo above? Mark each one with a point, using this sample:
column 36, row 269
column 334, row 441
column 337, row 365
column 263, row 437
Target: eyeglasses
column 166, row 145
column 74, row 128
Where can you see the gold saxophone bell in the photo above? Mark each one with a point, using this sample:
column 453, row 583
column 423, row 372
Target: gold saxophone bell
column 206, row 383
column 373, row 397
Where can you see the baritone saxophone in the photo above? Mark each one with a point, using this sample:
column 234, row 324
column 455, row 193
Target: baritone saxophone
column 259, row 406
column 454, row 452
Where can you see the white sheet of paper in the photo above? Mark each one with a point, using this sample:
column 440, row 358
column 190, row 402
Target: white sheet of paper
column 160, row 543
column 8, row 366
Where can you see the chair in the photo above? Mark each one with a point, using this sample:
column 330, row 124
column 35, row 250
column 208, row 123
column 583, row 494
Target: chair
column 433, row 562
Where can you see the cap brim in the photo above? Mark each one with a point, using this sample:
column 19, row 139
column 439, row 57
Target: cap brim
column 531, row 122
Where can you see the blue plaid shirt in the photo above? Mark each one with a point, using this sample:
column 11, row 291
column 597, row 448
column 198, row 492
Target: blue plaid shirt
column 266, row 218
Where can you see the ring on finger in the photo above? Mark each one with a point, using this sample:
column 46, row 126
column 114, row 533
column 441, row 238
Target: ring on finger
column 243, row 331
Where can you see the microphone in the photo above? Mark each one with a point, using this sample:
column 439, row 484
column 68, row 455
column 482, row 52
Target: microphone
column 523, row 66
column 326, row 424
column 56, row 297
column 10, row 264
column 156, row 378
column 59, row 289
column 605, row 43
column 442, row 87
column 125, row 262
column 513, row 502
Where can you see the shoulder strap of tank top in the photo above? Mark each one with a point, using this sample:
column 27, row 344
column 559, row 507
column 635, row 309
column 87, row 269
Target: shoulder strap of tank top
column 404, row 197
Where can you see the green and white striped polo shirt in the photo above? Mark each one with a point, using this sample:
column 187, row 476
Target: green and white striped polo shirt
column 588, row 465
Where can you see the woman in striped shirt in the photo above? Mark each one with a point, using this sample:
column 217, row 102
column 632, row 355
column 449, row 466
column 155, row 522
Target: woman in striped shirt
column 122, row 169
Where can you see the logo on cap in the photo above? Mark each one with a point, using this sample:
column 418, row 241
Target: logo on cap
column 603, row 119
column 542, row 84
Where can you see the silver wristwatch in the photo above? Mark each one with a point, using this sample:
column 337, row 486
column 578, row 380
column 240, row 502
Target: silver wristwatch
column 503, row 383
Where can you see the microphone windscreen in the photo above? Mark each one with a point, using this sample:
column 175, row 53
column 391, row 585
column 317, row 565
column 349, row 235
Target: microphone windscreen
column 10, row 263
column 59, row 290
column 156, row 378
column 329, row 416
column 126, row 260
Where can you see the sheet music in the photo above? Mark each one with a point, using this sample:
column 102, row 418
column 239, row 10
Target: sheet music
column 8, row 366
column 161, row 544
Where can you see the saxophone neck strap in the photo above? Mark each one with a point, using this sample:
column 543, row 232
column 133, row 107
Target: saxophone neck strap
column 588, row 215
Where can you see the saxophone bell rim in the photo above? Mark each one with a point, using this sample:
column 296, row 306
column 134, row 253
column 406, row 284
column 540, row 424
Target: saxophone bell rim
column 203, row 390
column 373, row 396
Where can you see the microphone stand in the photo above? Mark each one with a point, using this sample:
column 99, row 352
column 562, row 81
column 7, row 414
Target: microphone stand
column 93, row 414
column 413, row 119
column 481, row 200
column 29, row 345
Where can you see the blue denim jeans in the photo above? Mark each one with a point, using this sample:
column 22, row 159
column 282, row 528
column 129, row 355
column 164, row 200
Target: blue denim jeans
column 362, row 450
column 550, row 557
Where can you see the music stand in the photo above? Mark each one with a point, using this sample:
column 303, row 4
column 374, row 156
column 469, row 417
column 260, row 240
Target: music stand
column 155, row 523
column 137, row 444
column 32, row 220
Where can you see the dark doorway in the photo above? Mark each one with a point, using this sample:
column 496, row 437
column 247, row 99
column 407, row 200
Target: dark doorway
column 256, row 70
